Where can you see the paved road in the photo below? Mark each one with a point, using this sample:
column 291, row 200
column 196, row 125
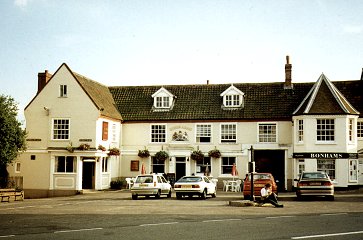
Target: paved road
column 113, row 215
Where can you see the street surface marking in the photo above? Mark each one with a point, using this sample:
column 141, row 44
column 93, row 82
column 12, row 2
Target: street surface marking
column 282, row 217
column 7, row 236
column 156, row 224
column 333, row 214
column 78, row 230
column 328, row 235
column 222, row 220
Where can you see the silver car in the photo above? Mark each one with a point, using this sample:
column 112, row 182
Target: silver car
column 150, row 185
column 314, row 184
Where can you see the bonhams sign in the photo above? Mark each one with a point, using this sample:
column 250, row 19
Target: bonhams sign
column 326, row 155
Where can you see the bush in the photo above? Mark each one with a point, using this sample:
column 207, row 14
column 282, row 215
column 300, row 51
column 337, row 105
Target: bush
column 117, row 184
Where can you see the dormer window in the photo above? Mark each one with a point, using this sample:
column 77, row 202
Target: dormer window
column 163, row 100
column 232, row 98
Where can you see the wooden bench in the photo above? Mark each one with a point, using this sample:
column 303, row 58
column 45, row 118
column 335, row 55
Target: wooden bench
column 7, row 193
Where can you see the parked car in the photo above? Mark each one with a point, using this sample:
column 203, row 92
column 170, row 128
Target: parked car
column 150, row 185
column 314, row 184
column 259, row 181
column 195, row 185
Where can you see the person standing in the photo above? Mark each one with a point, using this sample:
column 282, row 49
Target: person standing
column 267, row 196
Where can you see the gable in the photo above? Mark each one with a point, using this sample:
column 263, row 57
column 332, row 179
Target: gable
column 325, row 98
column 98, row 94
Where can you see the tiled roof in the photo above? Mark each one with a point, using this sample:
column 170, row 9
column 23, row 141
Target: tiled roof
column 100, row 95
column 325, row 98
column 263, row 101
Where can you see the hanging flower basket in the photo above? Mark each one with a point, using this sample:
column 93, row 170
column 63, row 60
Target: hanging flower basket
column 143, row 153
column 161, row 155
column 70, row 148
column 84, row 146
column 114, row 152
column 215, row 153
column 197, row 155
column 102, row 148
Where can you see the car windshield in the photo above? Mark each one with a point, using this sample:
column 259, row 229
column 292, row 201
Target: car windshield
column 144, row 179
column 314, row 176
column 190, row 179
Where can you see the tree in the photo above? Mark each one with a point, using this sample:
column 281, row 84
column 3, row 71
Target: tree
column 12, row 136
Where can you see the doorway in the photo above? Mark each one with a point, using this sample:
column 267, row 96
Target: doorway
column 180, row 167
column 272, row 161
column 88, row 174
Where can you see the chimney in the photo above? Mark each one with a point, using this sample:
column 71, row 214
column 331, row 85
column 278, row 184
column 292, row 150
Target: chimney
column 361, row 76
column 288, row 66
column 43, row 78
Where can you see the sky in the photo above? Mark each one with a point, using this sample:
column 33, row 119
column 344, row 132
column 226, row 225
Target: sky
column 160, row 42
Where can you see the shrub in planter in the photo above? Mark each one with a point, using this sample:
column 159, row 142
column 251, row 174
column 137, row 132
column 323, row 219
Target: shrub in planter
column 215, row 153
column 114, row 152
column 161, row 155
column 144, row 153
column 84, row 146
column 197, row 155
column 102, row 148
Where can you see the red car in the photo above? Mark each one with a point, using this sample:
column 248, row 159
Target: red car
column 259, row 181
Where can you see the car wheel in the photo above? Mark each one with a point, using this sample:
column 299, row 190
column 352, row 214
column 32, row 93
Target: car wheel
column 246, row 197
column 158, row 194
column 169, row 194
column 134, row 197
column 203, row 195
column 330, row 198
column 178, row 196
column 214, row 194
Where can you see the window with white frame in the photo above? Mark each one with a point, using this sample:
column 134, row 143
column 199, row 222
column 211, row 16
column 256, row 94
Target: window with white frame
column 204, row 133
column 301, row 166
column 203, row 165
column 65, row 164
column 227, row 164
column 61, row 129
column 228, row 133
column 325, row 130
column 233, row 100
column 158, row 133
column 360, row 129
column 162, row 102
column 350, row 129
column 63, row 90
column 267, row 132
column 104, row 164
column 300, row 130
column 327, row 166
column 353, row 170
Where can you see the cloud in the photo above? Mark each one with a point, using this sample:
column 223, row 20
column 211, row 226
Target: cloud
column 353, row 29
column 21, row 3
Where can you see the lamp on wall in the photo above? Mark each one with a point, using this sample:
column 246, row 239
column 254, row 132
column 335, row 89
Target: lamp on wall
column 47, row 110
